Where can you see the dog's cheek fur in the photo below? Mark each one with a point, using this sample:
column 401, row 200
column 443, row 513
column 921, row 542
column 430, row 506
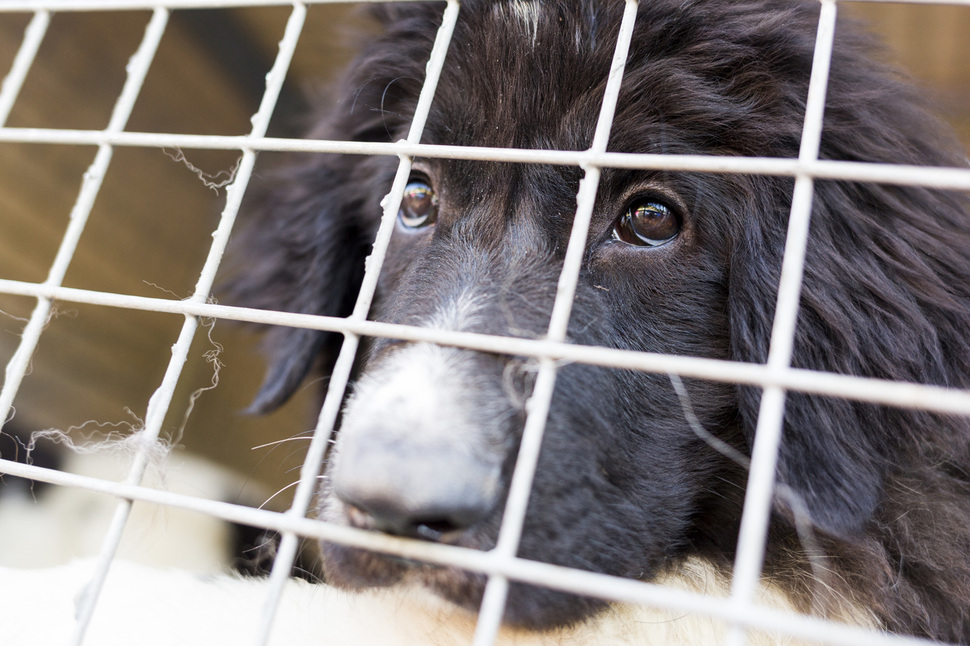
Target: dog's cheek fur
column 305, row 249
column 856, row 318
column 620, row 476
column 313, row 222
column 647, row 442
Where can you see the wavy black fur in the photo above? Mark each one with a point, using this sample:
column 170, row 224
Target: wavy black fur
column 625, row 486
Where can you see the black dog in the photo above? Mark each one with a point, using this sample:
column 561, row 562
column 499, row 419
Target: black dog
column 676, row 262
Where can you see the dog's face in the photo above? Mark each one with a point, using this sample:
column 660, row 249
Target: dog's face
column 429, row 437
column 678, row 263
column 428, row 440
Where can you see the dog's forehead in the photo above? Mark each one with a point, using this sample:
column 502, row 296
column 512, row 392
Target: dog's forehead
column 531, row 73
column 531, row 16
column 509, row 187
column 525, row 12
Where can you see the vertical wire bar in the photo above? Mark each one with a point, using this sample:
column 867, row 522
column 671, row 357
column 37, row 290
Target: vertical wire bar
column 161, row 399
column 340, row 376
column 513, row 519
column 137, row 70
column 764, row 458
column 90, row 186
column 18, row 364
column 33, row 36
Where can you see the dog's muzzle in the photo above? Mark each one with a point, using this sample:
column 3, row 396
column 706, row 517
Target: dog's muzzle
column 421, row 448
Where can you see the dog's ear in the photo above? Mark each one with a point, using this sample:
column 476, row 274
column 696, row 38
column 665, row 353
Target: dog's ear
column 878, row 300
column 302, row 250
column 314, row 222
column 827, row 456
column 884, row 292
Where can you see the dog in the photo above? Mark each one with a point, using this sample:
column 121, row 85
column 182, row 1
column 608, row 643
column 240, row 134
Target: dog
column 682, row 263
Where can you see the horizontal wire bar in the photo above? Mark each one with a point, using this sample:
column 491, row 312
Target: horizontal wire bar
column 563, row 578
column 20, row 6
column 878, row 391
column 559, row 577
column 9, row 6
column 964, row 3
column 944, row 177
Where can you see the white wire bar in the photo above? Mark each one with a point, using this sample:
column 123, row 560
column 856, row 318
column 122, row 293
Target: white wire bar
column 563, row 578
column 759, row 491
column 160, row 401
column 129, row 5
column 513, row 519
column 122, row 5
column 340, row 375
column 891, row 393
column 91, row 185
column 138, row 67
column 260, row 122
column 930, row 176
column 14, row 80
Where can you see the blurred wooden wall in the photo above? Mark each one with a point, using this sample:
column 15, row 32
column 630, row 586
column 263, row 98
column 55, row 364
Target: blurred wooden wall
column 149, row 231
column 932, row 43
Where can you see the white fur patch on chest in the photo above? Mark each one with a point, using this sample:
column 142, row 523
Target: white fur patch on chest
column 154, row 607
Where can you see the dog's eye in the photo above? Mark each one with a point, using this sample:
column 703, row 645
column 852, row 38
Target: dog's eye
column 419, row 206
column 647, row 223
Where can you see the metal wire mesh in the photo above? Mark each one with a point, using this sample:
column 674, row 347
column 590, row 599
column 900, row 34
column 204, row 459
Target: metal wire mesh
column 776, row 377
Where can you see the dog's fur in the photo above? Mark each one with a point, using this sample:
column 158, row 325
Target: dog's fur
column 157, row 607
column 624, row 484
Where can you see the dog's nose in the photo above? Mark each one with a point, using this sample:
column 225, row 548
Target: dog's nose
column 417, row 491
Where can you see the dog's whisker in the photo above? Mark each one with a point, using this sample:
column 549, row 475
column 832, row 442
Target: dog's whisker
column 713, row 441
column 295, row 438
column 279, row 492
column 806, row 536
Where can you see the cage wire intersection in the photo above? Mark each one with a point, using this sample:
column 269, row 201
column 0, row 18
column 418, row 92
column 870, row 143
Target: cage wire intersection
column 501, row 564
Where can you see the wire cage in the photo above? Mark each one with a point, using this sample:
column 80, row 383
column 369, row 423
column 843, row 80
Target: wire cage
column 174, row 314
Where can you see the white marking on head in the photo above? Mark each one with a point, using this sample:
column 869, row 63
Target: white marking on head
column 430, row 394
column 458, row 314
column 421, row 417
column 526, row 12
column 411, row 389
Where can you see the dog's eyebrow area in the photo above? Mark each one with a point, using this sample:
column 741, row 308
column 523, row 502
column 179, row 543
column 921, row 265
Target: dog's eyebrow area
column 484, row 322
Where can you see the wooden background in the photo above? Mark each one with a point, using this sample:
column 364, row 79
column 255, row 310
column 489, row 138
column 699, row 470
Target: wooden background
column 149, row 231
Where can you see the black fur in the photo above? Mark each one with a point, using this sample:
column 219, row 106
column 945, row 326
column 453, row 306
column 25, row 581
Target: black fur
column 624, row 485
